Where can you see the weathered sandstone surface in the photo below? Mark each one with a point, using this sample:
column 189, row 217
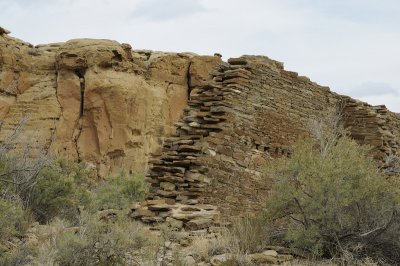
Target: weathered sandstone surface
column 201, row 128
column 95, row 100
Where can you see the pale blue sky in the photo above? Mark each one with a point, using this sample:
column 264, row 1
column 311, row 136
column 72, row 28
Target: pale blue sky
column 352, row 46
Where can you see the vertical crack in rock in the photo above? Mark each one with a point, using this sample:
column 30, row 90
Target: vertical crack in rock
column 54, row 131
column 58, row 100
column 81, row 74
column 76, row 138
column 188, row 80
column 109, row 120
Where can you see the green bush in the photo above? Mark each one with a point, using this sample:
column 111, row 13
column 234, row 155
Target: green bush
column 21, row 256
column 333, row 200
column 61, row 188
column 13, row 219
column 105, row 243
column 120, row 191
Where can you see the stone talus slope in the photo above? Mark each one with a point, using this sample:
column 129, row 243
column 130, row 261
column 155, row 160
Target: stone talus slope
column 95, row 100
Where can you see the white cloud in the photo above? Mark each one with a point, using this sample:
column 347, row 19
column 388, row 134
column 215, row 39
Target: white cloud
column 167, row 9
column 341, row 43
column 370, row 89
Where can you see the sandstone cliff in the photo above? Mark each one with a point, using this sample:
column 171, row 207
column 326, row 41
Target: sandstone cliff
column 200, row 127
column 95, row 100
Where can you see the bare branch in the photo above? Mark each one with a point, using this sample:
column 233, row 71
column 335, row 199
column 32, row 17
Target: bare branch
column 22, row 169
column 306, row 223
column 297, row 220
column 328, row 128
column 392, row 164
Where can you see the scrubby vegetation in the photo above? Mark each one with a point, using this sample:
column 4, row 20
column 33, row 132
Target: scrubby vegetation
column 59, row 191
column 13, row 219
column 241, row 237
column 332, row 199
column 98, row 242
column 329, row 201
column 68, row 201
column 334, row 202
column 119, row 191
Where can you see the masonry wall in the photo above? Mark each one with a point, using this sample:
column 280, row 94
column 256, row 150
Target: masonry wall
column 374, row 126
column 252, row 111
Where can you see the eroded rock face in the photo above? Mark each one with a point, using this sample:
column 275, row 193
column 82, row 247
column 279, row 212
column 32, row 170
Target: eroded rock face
column 95, row 100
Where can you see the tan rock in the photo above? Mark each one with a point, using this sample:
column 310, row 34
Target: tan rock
column 173, row 223
column 93, row 99
column 155, row 202
column 142, row 212
column 270, row 252
column 199, row 223
column 219, row 260
column 259, row 258
column 191, row 212
column 167, row 186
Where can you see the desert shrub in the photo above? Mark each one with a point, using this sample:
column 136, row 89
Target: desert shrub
column 248, row 234
column 61, row 187
column 105, row 243
column 334, row 200
column 19, row 174
column 241, row 236
column 119, row 191
column 47, row 250
column 21, row 256
column 13, row 219
column 19, row 170
column 392, row 164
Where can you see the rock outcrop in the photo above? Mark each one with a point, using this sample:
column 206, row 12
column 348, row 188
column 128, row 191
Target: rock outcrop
column 95, row 100
column 200, row 127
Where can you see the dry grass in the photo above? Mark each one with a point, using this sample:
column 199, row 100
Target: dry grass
column 244, row 236
column 201, row 248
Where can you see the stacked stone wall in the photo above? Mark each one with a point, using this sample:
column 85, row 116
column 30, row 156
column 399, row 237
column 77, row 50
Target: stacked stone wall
column 250, row 112
column 374, row 126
